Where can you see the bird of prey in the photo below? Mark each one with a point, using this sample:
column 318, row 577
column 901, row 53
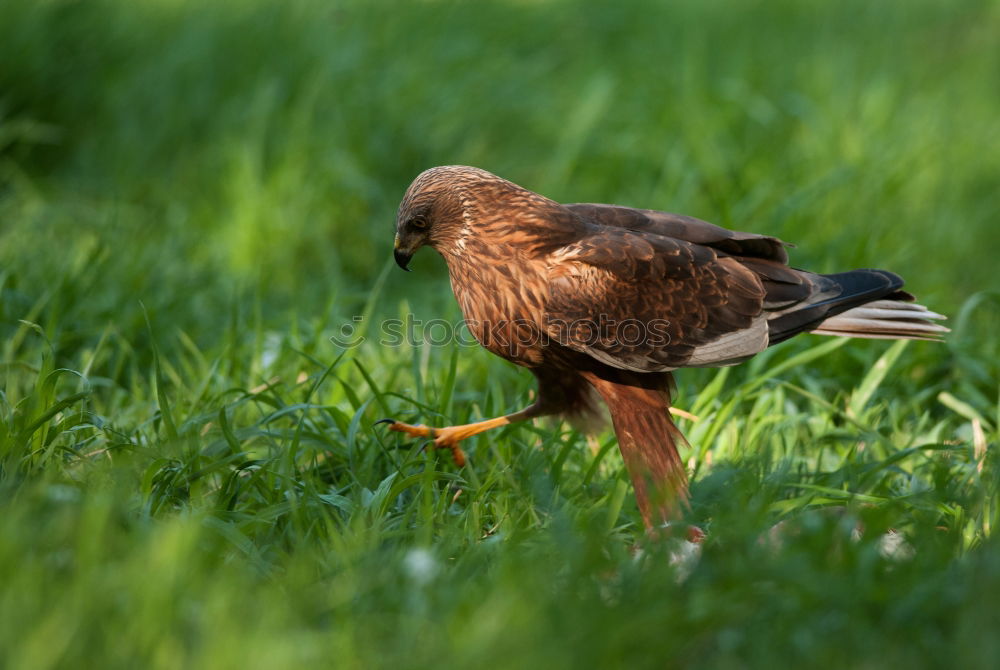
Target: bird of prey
column 603, row 301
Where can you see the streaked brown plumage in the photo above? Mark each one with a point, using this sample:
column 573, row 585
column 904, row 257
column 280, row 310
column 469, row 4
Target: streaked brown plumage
column 551, row 287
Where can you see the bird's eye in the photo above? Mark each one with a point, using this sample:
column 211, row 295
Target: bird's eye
column 418, row 222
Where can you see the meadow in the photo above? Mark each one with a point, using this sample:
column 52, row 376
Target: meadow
column 195, row 198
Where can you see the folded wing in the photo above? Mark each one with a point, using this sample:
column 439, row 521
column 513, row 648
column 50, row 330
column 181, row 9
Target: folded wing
column 647, row 302
column 651, row 291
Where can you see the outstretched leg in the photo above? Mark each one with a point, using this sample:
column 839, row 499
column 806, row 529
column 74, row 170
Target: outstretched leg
column 559, row 391
column 448, row 437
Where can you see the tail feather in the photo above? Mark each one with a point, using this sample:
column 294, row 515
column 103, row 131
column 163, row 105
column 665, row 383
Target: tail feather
column 886, row 319
column 647, row 438
column 860, row 303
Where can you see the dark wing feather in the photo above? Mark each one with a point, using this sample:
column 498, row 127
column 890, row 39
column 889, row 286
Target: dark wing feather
column 685, row 228
column 642, row 301
column 796, row 300
column 717, row 296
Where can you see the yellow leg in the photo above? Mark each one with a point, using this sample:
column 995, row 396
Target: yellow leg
column 448, row 437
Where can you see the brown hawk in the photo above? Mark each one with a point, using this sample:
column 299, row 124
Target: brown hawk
column 610, row 300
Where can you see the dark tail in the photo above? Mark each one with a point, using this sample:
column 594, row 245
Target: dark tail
column 860, row 303
column 647, row 438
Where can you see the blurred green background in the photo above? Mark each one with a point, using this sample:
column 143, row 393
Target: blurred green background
column 195, row 196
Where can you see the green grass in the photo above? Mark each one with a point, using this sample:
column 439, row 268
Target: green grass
column 195, row 196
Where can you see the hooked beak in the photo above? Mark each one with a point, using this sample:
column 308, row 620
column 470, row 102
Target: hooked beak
column 401, row 255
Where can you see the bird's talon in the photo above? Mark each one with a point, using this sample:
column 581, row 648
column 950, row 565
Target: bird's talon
column 400, row 427
column 440, row 438
column 456, row 453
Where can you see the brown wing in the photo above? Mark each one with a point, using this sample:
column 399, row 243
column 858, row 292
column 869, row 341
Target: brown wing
column 685, row 228
column 763, row 254
column 726, row 295
column 643, row 301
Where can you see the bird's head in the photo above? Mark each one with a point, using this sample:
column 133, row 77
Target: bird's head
column 439, row 205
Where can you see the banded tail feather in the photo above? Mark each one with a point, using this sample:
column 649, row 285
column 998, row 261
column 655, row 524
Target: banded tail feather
column 859, row 303
column 886, row 319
